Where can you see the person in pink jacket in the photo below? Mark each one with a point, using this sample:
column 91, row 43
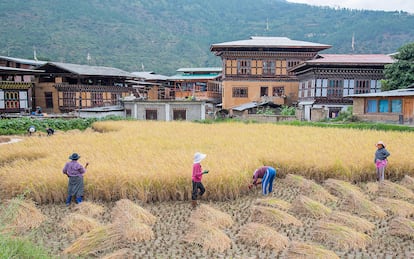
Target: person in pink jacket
column 198, row 187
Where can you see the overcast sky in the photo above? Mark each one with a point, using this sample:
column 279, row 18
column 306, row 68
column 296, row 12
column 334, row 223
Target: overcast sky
column 386, row 5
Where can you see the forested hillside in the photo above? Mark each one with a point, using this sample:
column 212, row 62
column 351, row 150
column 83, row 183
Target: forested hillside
column 165, row 35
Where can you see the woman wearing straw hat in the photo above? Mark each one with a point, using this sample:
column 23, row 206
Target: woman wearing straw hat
column 196, row 178
column 75, row 171
column 380, row 160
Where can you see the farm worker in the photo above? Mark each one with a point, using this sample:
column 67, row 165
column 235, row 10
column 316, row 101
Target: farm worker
column 196, row 178
column 267, row 174
column 380, row 160
column 50, row 131
column 75, row 171
column 31, row 130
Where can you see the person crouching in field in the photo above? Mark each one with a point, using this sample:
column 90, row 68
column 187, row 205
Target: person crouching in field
column 196, row 178
column 75, row 172
column 267, row 174
column 380, row 160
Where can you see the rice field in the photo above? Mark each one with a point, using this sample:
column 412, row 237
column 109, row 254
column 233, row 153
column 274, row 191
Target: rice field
column 152, row 161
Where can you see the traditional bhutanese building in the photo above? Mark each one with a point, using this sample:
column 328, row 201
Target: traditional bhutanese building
column 65, row 87
column 16, row 84
column 327, row 80
column 256, row 69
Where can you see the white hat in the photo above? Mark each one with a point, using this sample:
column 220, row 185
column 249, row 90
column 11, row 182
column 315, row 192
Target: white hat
column 380, row 143
column 198, row 157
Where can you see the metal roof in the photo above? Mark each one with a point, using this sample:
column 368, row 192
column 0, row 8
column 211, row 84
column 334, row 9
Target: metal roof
column 250, row 105
column 20, row 70
column 89, row 70
column 194, row 76
column 24, row 61
column 398, row 92
column 351, row 59
column 149, row 75
column 270, row 42
column 201, row 69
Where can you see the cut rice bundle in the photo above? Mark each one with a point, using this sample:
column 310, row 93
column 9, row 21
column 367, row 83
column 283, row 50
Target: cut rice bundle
column 339, row 236
column 127, row 209
column 310, row 188
column 273, row 217
column 393, row 190
column 19, row 216
column 371, row 188
column 401, row 227
column 213, row 216
column 89, row 209
column 124, row 253
column 307, row 207
column 408, row 182
column 396, row 207
column 263, row 236
column 78, row 224
column 346, row 219
column 299, row 250
column 343, row 189
column 362, row 206
column 208, row 236
column 274, row 203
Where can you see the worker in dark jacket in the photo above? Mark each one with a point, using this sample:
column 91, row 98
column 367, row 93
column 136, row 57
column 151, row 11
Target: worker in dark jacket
column 380, row 160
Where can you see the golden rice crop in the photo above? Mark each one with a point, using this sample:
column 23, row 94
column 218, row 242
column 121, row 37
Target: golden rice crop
column 208, row 236
column 78, row 224
column 402, row 227
column 408, row 182
column 346, row 219
column 343, row 189
column 263, row 236
column 273, row 217
column 339, row 236
column 396, row 207
column 307, row 207
column 128, row 209
column 19, row 216
column 309, row 188
column 273, row 202
column 213, row 216
column 89, row 209
column 299, row 250
column 394, row 190
column 152, row 161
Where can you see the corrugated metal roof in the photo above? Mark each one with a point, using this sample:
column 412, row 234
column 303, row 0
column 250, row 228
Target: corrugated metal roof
column 201, row 69
column 275, row 42
column 149, row 75
column 398, row 92
column 246, row 106
column 24, row 61
column 89, row 70
column 351, row 59
column 23, row 70
column 194, row 76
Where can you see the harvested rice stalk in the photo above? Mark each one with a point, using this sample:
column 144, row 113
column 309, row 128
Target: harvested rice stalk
column 298, row 250
column 408, row 182
column 342, row 189
column 126, row 208
column 273, row 217
column 396, row 207
column 78, row 224
column 124, row 253
column 401, row 227
column 339, row 236
column 133, row 230
column 307, row 207
column 263, row 236
column 346, row 219
column 362, row 206
column 89, row 209
column 213, row 216
column 371, row 188
column 19, row 216
column 274, row 203
column 212, row 238
column 393, row 190
column 99, row 239
column 310, row 188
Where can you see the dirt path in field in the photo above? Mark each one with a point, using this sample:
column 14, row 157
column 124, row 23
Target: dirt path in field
column 7, row 140
column 172, row 225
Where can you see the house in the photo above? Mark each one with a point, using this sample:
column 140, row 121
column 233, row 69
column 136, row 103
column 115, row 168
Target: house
column 395, row 106
column 326, row 81
column 151, row 86
column 16, row 84
column 257, row 69
column 202, row 83
column 65, row 87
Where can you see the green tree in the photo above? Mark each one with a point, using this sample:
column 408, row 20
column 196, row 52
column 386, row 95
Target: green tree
column 401, row 73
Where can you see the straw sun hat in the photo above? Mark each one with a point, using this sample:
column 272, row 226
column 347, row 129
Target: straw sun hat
column 380, row 143
column 198, row 157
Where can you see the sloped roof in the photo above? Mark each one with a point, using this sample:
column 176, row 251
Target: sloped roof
column 269, row 42
column 19, row 70
column 200, row 70
column 24, row 61
column 246, row 106
column 149, row 75
column 351, row 59
column 88, row 70
column 398, row 92
column 194, row 76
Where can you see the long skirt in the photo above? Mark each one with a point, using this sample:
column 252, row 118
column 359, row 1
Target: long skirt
column 75, row 186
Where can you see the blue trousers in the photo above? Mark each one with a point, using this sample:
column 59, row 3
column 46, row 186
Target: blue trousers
column 267, row 181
